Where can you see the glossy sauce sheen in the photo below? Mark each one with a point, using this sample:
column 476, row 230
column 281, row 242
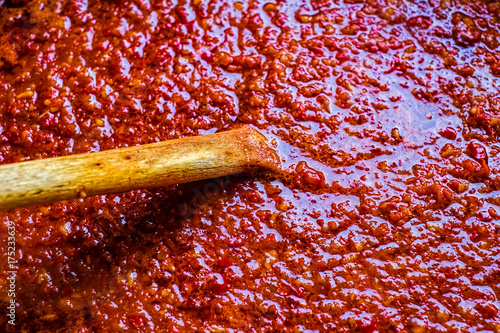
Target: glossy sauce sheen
column 385, row 216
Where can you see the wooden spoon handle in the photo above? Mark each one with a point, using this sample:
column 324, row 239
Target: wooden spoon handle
column 119, row 170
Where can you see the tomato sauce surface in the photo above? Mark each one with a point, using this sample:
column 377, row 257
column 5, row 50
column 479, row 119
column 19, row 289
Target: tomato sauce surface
column 384, row 217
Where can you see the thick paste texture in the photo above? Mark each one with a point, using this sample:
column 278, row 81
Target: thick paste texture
column 383, row 218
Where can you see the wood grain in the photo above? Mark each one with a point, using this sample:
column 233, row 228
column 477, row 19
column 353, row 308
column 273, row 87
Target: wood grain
column 146, row 166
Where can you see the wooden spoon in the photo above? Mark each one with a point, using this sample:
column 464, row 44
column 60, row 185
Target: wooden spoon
column 146, row 166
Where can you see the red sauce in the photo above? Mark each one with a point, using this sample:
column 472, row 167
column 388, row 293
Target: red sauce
column 385, row 217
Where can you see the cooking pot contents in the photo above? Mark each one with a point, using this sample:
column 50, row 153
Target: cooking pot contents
column 384, row 218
